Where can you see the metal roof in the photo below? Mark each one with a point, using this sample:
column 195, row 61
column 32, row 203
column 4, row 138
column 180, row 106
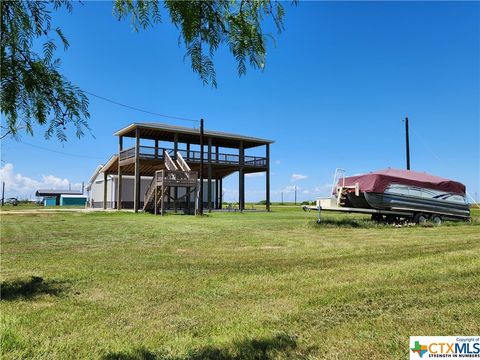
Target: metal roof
column 161, row 131
column 55, row 192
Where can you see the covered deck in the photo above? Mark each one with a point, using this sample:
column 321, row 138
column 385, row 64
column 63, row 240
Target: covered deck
column 144, row 159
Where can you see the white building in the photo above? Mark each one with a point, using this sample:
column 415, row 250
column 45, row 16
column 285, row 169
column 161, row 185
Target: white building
column 95, row 190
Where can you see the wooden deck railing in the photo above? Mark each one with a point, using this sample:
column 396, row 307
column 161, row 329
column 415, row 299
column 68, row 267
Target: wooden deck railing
column 171, row 178
column 193, row 156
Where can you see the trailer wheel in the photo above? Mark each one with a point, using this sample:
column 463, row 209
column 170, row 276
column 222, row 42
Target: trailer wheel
column 377, row 218
column 420, row 219
column 437, row 220
column 391, row 219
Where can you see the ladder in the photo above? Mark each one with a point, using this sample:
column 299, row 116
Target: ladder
column 341, row 191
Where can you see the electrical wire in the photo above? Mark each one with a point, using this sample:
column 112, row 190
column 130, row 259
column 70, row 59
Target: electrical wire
column 424, row 143
column 140, row 110
column 116, row 103
column 60, row 152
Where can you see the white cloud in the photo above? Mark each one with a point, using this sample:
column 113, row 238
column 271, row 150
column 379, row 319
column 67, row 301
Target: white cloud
column 22, row 186
column 277, row 162
column 297, row 177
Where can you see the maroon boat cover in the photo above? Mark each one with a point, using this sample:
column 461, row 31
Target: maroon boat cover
column 378, row 181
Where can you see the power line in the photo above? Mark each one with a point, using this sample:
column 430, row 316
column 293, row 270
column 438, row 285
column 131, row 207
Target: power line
column 417, row 135
column 140, row 110
column 424, row 143
column 60, row 152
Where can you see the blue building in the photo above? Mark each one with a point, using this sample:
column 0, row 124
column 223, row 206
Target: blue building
column 49, row 201
column 53, row 197
column 73, row 200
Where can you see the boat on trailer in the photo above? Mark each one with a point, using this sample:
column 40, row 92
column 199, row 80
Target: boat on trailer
column 394, row 194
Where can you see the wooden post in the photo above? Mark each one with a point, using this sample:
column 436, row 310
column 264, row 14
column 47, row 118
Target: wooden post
column 156, row 192
column 209, row 182
column 241, row 180
column 156, row 149
column 175, row 146
column 119, row 180
column 162, row 193
column 221, row 193
column 105, row 191
column 216, row 193
column 136, row 183
column 267, row 177
column 200, row 205
column 188, row 189
column 175, row 189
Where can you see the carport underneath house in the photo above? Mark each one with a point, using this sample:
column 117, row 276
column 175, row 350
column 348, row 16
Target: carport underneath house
column 219, row 160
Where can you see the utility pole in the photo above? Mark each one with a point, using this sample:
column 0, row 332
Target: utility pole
column 200, row 204
column 407, row 143
column 295, row 194
column 3, row 192
column 282, row 197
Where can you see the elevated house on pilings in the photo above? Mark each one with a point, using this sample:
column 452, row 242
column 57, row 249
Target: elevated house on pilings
column 156, row 145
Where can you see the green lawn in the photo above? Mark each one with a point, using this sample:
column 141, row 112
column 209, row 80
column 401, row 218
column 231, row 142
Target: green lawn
column 231, row 286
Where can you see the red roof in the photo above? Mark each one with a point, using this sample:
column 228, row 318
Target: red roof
column 378, row 181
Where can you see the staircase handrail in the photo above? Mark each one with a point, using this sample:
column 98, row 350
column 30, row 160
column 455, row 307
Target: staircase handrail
column 169, row 164
column 182, row 163
column 151, row 188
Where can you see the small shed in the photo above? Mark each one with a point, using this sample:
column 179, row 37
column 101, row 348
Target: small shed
column 73, row 200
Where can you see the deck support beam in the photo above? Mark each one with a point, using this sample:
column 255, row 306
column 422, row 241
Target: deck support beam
column 209, row 181
column 105, row 191
column 136, row 184
column 241, row 178
column 216, row 179
column 267, row 177
column 162, row 194
column 220, row 193
column 188, row 189
column 216, row 193
column 175, row 189
column 119, row 179
column 156, row 149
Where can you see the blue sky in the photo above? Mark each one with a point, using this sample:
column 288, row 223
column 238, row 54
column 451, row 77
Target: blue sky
column 333, row 94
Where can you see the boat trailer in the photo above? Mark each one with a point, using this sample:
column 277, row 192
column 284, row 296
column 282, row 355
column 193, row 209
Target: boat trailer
column 330, row 204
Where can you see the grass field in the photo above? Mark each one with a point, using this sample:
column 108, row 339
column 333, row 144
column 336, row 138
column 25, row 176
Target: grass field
column 231, row 286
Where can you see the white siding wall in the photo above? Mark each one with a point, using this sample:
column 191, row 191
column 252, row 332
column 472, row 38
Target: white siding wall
column 96, row 191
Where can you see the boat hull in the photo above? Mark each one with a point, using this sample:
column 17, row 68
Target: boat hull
column 393, row 202
column 416, row 204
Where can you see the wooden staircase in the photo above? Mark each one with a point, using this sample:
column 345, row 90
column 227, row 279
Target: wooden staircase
column 176, row 175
